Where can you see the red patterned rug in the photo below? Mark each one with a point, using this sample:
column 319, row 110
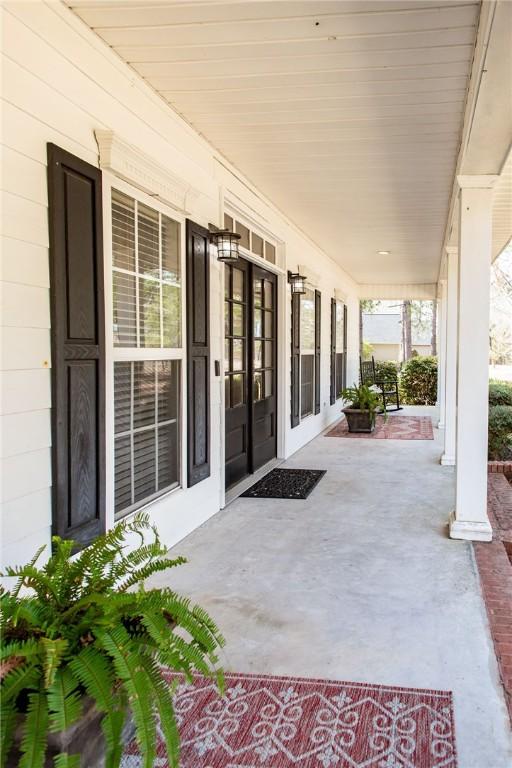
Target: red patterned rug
column 395, row 428
column 285, row 722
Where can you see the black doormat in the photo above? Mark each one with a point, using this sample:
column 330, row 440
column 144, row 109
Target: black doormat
column 285, row 484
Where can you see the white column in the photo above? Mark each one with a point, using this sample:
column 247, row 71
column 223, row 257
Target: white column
column 448, row 457
column 470, row 521
column 441, row 354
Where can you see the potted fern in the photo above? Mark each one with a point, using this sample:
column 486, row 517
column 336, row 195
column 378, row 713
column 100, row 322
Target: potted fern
column 83, row 643
column 365, row 403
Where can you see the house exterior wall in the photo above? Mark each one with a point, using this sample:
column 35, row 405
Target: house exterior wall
column 60, row 84
column 386, row 351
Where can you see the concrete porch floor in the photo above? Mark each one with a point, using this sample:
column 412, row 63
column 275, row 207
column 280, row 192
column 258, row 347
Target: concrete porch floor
column 359, row 582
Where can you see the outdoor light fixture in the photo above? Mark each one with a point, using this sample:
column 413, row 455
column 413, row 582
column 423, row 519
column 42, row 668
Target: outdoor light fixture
column 297, row 282
column 226, row 243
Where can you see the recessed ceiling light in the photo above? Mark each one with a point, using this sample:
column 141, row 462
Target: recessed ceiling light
column 384, row 253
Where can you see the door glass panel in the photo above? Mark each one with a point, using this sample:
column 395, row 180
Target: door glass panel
column 226, row 388
column 227, row 281
column 269, row 361
column 268, row 383
column 257, row 356
column 237, row 389
column 258, row 323
column 226, row 355
column 238, row 284
column 238, row 320
column 258, row 320
column 226, row 319
column 268, row 324
column 238, row 354
column 258, row 386
column 257, row 293
column 268, row 294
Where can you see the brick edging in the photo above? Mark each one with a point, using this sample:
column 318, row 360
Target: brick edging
column 495, row 572
column 500, row 467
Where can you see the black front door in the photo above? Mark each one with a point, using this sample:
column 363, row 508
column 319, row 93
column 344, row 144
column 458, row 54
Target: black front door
column 250, row 365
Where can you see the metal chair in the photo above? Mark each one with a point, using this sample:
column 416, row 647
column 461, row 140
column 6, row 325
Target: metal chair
column 387, row 384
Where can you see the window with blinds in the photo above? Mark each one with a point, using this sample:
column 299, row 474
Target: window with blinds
column 146, row 429
column 147, row 316
column 146, row 276
column 340, row 347
column 307, row 352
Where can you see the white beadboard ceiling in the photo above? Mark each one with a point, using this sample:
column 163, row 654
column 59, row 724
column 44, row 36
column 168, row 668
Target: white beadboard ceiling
column 347, row 114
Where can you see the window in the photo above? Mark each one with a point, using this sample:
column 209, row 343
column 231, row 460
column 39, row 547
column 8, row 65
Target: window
column 340, row 347
column 307, row 352
column 147, row 341
column 251, row 241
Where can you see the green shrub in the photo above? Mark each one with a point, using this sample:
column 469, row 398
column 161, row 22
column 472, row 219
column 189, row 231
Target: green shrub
column 89, row 625
column 500, row 393
column 500, row 432
column 387, row 369
column 418, row 381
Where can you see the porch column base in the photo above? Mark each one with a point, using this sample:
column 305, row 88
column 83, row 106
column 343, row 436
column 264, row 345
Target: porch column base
column 470, row 530
column 447, row 461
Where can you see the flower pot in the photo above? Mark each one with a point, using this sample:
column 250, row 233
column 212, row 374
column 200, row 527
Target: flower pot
column 359, row 421
column 84, row 738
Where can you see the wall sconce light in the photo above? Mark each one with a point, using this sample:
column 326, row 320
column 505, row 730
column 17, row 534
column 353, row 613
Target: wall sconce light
column 226, row 243
column 297, row 282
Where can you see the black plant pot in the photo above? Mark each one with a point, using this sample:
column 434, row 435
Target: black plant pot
column 359, row 421
column 84, row 738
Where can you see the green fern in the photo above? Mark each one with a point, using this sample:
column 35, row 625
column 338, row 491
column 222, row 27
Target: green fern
column 86, row 624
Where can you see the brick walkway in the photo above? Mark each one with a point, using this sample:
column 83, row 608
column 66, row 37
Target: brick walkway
column 495, row 568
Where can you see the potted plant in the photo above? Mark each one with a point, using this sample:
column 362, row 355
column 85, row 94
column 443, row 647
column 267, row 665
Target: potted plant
column 83, row 643
column 365, row 403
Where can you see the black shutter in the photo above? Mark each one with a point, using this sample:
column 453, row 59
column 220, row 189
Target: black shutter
column 198, row 353
column 295, row 358
column 318, row 313
column 344, row 346
column 78, row 346
column 333, row 351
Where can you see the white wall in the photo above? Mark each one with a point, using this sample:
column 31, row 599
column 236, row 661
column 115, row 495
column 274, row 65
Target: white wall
column 60, row 83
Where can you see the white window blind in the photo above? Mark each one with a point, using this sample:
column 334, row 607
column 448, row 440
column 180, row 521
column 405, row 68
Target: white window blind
column 147, row 316
column 307, row 352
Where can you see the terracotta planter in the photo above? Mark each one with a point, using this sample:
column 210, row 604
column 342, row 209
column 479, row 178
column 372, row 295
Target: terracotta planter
column 359, row 421
column 84, row 738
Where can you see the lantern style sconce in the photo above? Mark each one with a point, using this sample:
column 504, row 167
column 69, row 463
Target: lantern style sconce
column 297, row 282
column 226, row 243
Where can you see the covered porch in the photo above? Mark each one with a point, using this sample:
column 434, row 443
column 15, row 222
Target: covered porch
column 362, row 146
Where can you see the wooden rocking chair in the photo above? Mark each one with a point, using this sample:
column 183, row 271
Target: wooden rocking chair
column 387, row 384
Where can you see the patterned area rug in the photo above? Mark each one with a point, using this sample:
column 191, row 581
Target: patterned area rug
column 285, row 484
column 395, row 428
column 284, row 722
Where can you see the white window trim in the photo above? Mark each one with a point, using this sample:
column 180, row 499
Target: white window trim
column 125, row 354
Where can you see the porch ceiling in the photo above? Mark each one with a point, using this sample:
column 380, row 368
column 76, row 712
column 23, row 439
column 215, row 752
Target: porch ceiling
column 346, row 113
